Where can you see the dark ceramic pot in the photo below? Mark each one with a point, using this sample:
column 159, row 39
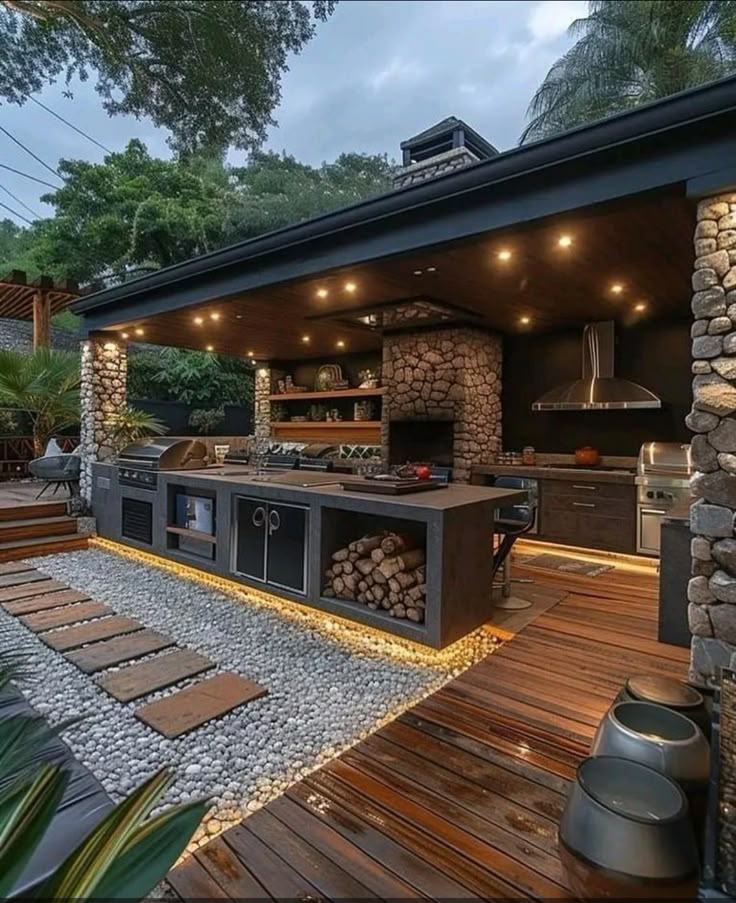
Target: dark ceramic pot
column 673, row 694
column 625, row 834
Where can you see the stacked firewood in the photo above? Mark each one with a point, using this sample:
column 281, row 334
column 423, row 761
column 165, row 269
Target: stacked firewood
column 384, row 571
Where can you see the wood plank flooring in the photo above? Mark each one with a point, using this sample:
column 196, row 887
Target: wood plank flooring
column 459, row 797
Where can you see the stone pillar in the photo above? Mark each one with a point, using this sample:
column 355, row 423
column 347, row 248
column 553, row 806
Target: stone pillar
column 103, row 395
column 262, row 389
column 712, row 587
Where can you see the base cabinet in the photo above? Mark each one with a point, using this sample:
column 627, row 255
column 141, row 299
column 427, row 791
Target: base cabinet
column 270, row 543
column 588, row 514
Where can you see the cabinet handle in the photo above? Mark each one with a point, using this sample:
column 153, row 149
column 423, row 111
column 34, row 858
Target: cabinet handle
column 274, row 521
column 583, row 504
column 259, row 517
column 581, row 486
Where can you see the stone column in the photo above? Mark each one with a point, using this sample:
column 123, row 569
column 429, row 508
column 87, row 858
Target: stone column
column 103, row 395
column 262, row 389
column 712, row 587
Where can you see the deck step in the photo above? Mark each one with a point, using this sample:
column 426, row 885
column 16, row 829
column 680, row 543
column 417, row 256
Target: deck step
column 67, row 614
column 107, row 653
column 157, row 674
column 34, row 527
column 44, row 602
column 42, row 545
column 102, row 629
column 35, row 509
column 183, row 711
column 26, row 590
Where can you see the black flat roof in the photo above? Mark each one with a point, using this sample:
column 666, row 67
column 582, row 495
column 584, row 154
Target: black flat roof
column 675, row 140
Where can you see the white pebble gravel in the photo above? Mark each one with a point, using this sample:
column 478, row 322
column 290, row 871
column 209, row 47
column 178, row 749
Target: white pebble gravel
column 329, row 686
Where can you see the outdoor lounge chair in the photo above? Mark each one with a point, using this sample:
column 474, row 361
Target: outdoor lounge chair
column 59, row 470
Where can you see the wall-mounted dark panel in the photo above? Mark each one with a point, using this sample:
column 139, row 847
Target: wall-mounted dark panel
column 655, row 355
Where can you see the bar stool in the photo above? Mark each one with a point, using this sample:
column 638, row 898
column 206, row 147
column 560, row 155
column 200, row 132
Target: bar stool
column 512, row 522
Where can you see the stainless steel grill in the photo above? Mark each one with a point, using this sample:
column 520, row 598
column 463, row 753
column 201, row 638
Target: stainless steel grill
column 663, row 487
column 139, row 462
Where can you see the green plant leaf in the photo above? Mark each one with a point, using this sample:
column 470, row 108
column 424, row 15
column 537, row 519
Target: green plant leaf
column 27, row 808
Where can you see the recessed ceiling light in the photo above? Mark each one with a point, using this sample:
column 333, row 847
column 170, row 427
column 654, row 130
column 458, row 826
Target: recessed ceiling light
column 139, row 331
column 617, row 288
column 525, row 321
column 123, row 335
column 250, row 354
column 321, row 292
column 564, row 241
column 198, row 321
column 350, row 286
column 254, row 363
column 214, row 316
column 340, row 343
column 505, row 254
column 238, row 316
column 209, row 348
column 431, row 269
column 418, row 272
column 306, row 339
column 640, row 307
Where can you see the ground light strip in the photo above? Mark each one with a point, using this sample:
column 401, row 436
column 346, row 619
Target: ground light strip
column 457, row 657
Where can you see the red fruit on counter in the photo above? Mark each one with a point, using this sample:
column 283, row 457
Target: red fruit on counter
column 423, row 472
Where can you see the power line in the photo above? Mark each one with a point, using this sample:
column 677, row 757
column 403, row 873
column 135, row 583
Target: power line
column 28, row 151
column 71, row 126
column 22, row 203
column 18, row 215
column 19, row 172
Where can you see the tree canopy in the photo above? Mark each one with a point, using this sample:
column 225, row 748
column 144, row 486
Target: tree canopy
column 629, row 52
column 134, row 212
column 208, row 70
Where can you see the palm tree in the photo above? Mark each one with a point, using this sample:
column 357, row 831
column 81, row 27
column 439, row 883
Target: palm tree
column 44, row 383
column 629, row 52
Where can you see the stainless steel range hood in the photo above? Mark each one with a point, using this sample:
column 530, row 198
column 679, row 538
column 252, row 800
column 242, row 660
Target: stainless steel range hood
column 599, row 389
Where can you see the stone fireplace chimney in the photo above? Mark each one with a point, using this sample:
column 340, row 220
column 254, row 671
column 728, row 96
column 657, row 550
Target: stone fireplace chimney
column 445, row 147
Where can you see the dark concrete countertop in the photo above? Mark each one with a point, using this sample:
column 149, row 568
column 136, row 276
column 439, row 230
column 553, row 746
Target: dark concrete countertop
column 621, row 476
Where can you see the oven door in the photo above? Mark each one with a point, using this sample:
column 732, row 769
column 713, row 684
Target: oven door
column 648, row 529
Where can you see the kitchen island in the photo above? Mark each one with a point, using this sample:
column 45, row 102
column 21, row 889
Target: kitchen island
column 281, row 532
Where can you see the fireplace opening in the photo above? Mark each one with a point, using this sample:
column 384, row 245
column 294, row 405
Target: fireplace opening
column 429, row 441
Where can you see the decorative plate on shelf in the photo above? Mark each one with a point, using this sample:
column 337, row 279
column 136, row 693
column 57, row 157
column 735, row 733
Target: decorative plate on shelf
column 329, row 376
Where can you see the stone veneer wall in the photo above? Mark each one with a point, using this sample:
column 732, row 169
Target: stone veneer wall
column 712, row 587
column 449, row 161
column 103, row 394
column 262, row 413
column 444, row 374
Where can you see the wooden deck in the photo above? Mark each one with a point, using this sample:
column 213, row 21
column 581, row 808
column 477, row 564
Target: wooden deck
column 460, row 797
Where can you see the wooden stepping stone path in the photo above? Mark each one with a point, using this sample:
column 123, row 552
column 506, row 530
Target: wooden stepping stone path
column 156, row 674
column 183, row 711
column 14, row 567
column 19, row 578
column 39, row 588
column 42, row 603
column 102, row 629
column 67, row 614
column 107, row 653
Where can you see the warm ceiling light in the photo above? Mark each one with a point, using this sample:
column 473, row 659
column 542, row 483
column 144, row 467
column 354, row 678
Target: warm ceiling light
column 321, row 292
column 209, row 348
column 617, row 288
column 198, row 321
column 431, row 269
column 139, row 331
column 640, row 307
column 214, row 316
column 340, row 343
column 250, row 354
column 418, row 272
column 306, row 339
column 564, row 241
column 238, row 316
column 525, row 321
column 350, row 286
column 124, row 335
column 504, row 255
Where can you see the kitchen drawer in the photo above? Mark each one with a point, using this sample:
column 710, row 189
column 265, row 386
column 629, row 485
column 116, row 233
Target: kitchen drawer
column 590, row 504
column 593, row 531
column 586, row 488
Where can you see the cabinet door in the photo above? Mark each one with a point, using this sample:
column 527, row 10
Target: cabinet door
column 287, row 547
column 251, row 517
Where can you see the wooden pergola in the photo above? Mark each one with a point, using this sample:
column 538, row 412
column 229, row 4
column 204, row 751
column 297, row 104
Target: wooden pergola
column 37, row 300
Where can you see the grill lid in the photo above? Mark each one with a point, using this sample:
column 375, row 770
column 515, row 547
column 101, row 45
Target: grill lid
column 164, row 454
column 664, row 458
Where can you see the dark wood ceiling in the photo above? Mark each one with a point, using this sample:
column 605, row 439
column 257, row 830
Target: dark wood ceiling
column 643, row 246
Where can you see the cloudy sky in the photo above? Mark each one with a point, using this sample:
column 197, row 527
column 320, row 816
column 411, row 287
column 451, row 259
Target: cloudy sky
column 377, row 72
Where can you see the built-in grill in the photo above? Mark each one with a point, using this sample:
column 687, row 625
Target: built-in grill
column 139, row 462
column 663, row 486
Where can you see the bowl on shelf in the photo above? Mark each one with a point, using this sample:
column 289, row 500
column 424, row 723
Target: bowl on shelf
column 625, row 834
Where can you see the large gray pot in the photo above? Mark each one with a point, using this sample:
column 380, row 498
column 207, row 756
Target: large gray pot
column 625, row 833
column 658, row 737
column 671, row 693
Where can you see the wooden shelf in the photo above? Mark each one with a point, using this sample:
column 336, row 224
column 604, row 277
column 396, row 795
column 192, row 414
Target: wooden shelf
column 192, row 534
column 361, row 431
column 337, row 393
